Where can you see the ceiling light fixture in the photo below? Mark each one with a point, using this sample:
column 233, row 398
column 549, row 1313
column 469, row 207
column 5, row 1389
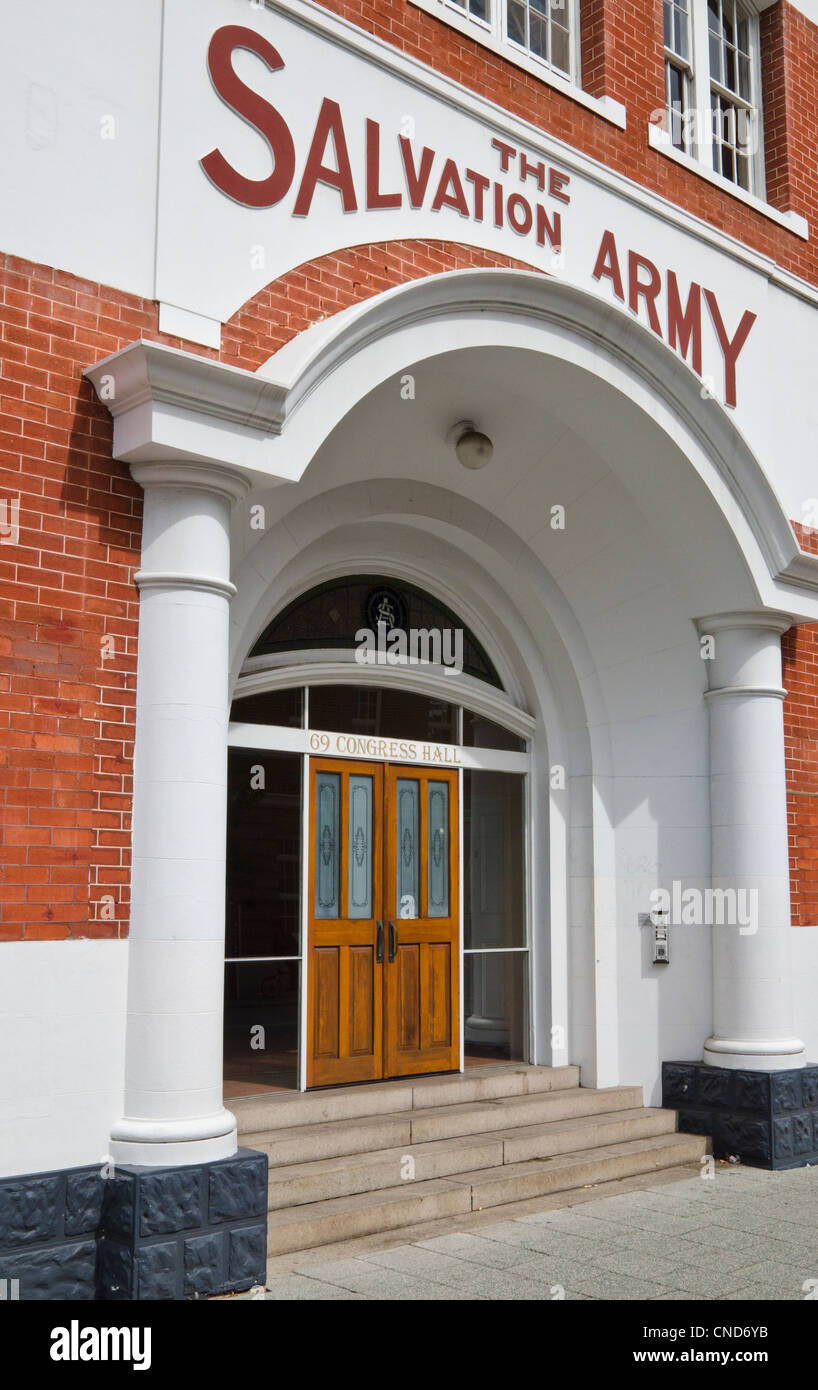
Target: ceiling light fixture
column 473, row 448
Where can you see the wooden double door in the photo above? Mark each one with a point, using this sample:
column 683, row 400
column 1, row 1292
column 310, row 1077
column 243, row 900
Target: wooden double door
column 383, row 968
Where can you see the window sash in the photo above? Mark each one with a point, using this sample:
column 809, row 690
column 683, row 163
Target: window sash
column 544, row 23
column 678, row 113
column 676, row 18
column 548, row 18
column 715, row 114
column 732, row 109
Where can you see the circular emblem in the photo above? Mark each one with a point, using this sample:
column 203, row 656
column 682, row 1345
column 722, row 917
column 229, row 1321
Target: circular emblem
column 385, row 606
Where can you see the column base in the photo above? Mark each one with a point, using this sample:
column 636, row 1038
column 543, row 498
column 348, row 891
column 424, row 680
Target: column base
column 167, row 1233
column 764, row 1118
column 171, row 1143
column 779, row 1054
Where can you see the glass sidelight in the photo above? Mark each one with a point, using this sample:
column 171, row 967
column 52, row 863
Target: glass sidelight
column 495, row 944
column 263, row 922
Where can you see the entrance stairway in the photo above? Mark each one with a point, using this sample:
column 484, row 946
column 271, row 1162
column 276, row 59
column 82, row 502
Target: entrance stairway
column 360, row 1160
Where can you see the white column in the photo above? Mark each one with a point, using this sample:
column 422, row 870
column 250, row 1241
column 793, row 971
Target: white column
column 173, row 1070
column 752, row 981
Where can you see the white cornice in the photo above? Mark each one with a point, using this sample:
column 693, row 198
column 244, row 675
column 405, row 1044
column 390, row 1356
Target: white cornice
column 171, row 406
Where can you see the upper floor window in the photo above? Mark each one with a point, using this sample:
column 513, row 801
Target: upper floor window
column 732, row 96
column 713, row 86
column 678, row 70
column 542, row 28
column 551, row 39
column 541, row 32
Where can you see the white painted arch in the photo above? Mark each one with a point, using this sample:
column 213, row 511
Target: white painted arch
column 324, row 372
column 537, row 671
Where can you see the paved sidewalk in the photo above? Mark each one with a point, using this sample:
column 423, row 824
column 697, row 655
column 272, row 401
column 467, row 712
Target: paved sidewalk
column 743, row 1234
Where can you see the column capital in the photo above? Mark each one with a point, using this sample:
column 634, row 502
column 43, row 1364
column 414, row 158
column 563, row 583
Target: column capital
column 749, row 620
column 743, row 656
column 193, row 474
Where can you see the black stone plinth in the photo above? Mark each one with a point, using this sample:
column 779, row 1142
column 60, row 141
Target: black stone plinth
column 766, row 1119
column 136, row 1233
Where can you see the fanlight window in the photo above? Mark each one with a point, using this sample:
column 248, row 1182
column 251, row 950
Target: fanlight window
column 331, row 615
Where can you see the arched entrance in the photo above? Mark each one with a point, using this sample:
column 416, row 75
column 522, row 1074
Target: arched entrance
column 670, row 528
column 378, row 906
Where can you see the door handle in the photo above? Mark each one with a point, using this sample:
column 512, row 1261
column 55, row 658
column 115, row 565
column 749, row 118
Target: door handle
column 393, row 941
column 379, row 947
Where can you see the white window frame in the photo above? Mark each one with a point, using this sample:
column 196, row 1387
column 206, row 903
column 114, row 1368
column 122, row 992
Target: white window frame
column 492, row 34
column 574, row 73
column 754, row 104
column 697, row 127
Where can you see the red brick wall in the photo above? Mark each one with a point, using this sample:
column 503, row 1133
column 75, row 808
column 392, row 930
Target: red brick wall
column 790, row 54
column 800, row 675
column 613, row 35
column 66, row 583
column 67, row 715
column 776, row 79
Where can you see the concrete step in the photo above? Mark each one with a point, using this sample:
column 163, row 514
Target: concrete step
column 345, row 1218
column 510, row 1112
column 515, row 1182
column 343, row 1176
column 584, row 1132
column 335, row 1138
column 321, row 1223
column 300, row 1183
column 331, row 1140
column 285, row 1110
column 573, row 1197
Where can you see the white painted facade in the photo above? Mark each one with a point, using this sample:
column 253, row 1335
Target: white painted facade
column 677, row 510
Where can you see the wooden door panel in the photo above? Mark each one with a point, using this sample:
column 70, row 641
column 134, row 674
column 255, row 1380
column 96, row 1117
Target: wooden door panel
column 407, row 1024
column 326, row 997
column 437, row 1015
column 422, row 982
column 345, row 886
column 361, row 1001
